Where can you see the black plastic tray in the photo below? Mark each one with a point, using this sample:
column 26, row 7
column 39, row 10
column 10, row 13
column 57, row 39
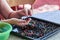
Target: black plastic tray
column 43, row 28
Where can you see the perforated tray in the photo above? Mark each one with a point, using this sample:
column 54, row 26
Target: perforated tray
column 37, row 29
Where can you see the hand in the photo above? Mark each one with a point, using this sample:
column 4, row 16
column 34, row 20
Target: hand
column 23, row 12
column 16, row 21
column 19, row 14
column 24, row 7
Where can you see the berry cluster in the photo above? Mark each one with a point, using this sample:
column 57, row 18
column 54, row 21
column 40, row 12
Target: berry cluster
column 36, row 29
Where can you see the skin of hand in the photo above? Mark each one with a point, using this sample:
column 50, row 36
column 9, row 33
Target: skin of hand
column 7, row 12
column 16, row 21
column 19, row 13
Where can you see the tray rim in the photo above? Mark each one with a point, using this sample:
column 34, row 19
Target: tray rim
column 48, row 35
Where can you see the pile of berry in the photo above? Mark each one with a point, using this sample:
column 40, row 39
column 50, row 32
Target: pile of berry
column 36, row 29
